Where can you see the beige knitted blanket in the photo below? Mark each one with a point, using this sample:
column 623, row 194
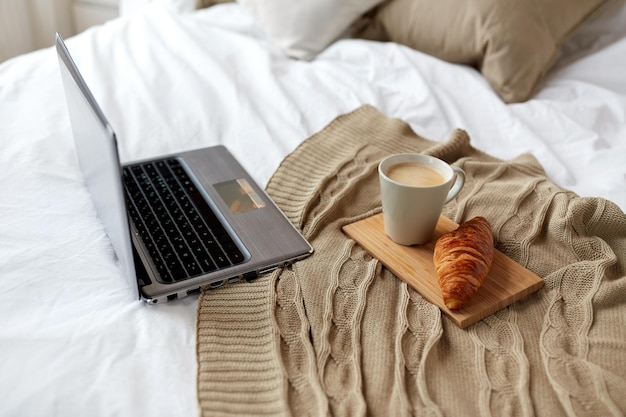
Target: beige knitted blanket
column 337, row 334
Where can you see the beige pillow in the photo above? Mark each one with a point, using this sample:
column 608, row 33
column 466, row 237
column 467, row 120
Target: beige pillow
column 512, row 42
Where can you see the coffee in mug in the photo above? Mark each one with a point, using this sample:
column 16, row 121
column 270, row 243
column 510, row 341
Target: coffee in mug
column 419, row 175
column 414, row 189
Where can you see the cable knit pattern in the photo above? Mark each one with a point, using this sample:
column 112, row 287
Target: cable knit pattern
column 337, row 334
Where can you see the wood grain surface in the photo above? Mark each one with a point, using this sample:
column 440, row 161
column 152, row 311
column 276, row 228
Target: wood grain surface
column 506, row 283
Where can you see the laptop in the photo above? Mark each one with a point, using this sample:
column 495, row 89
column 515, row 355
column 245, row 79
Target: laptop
column 181, row 222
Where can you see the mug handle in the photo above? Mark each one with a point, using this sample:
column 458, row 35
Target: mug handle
column 458, row 183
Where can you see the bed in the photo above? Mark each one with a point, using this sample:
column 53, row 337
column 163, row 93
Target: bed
column 73, row 339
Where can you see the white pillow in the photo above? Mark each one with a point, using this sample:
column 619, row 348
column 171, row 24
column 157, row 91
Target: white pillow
column 303, row 28
column 128, row 7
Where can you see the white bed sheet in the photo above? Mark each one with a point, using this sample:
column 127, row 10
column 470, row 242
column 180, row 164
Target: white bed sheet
column 72, row 339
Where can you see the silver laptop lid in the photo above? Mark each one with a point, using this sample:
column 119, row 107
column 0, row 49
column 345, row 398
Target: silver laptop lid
column 96, row 149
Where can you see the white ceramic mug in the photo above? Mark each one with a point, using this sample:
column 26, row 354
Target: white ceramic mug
column 414, row 189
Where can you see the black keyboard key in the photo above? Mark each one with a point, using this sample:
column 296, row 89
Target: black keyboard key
column 206, row 264
column 222, row 261
column 235, row 256
column 178, row 274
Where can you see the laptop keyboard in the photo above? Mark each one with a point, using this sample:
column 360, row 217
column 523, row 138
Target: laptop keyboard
column 178, row 228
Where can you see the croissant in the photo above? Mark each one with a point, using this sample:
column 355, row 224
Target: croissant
column 462, row 260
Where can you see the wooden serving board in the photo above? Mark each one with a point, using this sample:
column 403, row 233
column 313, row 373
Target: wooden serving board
column 506, row 283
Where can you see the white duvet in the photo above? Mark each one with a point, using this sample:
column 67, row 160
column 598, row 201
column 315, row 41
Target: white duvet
column 73, row 341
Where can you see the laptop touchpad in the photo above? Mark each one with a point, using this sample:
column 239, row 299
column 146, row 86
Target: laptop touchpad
column 239, row 196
